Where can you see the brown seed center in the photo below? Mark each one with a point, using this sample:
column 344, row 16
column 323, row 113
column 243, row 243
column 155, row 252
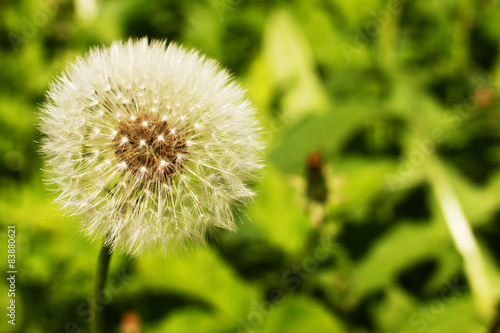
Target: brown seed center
column 150, row 146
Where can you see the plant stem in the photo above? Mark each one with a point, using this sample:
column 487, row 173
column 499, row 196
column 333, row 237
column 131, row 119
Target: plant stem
column 495, row 326
column 463, row 237
column 98, row 297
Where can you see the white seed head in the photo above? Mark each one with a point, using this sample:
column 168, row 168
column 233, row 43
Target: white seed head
column 122, row 166
column 184, row 146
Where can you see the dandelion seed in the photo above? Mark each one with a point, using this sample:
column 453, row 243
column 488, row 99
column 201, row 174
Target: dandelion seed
column 157, row 159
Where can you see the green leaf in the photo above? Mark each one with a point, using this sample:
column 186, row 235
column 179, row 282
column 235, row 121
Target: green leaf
column 202, row 275
column 299, row 315
column 326, row 132
column 292, row 68
column 398, row 249
column 187, row 321
column 278, row 214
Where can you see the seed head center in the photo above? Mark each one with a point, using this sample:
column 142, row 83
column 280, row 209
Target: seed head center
column 149, row 146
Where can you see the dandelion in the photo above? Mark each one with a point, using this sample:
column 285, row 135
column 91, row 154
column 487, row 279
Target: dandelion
column 152, row 145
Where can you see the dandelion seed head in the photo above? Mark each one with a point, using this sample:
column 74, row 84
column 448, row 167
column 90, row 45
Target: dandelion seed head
column 180, row 145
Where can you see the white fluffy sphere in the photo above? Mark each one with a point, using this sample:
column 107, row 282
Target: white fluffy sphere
column 151, row 144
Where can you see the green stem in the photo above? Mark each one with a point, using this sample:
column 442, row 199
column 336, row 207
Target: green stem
column 98, row 297
column 495, row 327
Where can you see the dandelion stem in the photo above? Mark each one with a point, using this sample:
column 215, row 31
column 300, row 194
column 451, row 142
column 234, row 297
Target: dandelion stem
column 98, row 297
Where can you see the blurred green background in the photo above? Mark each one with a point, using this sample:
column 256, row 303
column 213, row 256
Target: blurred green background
column 379, row 208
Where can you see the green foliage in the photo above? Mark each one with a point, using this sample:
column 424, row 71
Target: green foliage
column 382, row 106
